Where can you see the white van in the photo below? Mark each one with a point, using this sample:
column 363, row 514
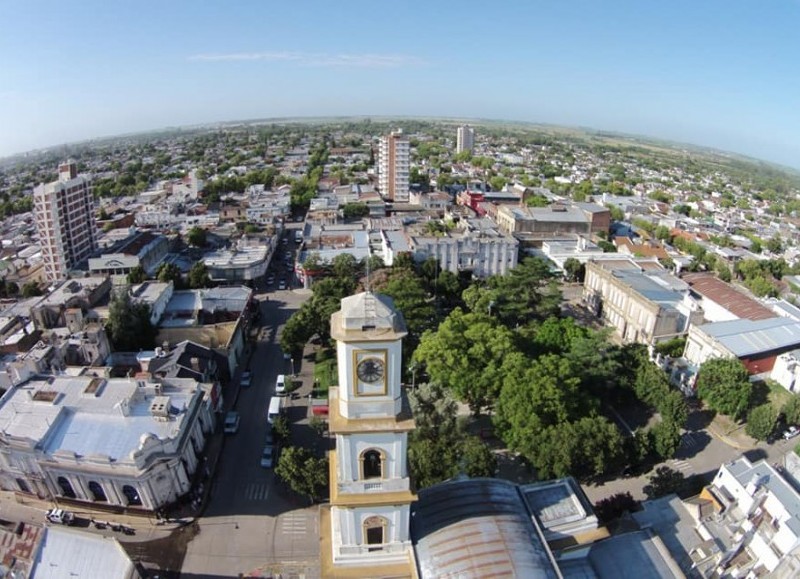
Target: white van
column 275, row 409
column 280, row 385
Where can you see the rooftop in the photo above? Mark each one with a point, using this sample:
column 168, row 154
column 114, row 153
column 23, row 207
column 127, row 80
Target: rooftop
column 70, row 553
column 724, row 294
column 747, row 337
column 478, row 528
column 87, row 415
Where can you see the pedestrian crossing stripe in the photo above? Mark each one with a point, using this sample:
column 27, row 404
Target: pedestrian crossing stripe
column 256, row 491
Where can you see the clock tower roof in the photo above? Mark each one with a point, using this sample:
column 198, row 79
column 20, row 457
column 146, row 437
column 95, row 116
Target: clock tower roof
column 368, row 316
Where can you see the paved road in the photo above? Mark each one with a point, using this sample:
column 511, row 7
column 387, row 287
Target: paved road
column 252, row 524
column 700, row 453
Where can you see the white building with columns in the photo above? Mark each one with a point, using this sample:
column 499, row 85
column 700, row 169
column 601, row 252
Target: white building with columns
column 366, row 527
column 117, row 441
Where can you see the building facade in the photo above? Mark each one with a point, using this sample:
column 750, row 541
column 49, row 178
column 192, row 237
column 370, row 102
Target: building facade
column 394, row 166
column 465, row 139
column 64, row 215
column 367, row 525
column 125, row 442
column 643, row 307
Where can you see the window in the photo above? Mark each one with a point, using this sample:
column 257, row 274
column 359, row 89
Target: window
column 66, row 487
column 375, row 532
column 372, row 464
column 97, row 491
column 132, row 495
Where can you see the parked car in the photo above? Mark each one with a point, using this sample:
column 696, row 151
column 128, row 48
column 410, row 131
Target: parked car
column 246, row 378
column 267, row 456
column 791, row 432
column 280, row 385
column 271, row 280
column 281, row 285
column 60, row 516
column 232, row 419
column 270, row 439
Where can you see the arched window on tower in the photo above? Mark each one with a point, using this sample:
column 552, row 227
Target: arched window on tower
column 97, row 491
column 375, row 532
column 372, row 464
column 66, row 487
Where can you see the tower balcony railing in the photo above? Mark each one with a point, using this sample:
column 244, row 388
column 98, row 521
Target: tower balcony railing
column 374, row 485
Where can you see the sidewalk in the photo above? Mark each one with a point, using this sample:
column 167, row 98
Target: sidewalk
column 735, row 438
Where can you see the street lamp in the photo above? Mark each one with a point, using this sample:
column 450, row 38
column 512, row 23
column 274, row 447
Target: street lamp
column 292, row 361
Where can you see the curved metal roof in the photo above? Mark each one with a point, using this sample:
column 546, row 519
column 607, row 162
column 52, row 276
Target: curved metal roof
column 478, row 528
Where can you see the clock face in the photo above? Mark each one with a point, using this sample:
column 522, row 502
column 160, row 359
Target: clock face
column 370, row 370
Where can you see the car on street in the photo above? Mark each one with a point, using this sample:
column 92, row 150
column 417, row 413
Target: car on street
column 60, row 516
column 268, row 456
column 791, row 432
column 232, row 419
column 280, row 385
column 281, row 285
column 271, row 280
column 246, row 378
column 270, row 439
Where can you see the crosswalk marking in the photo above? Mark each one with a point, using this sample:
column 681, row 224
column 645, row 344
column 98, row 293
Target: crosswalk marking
column 294, row 524
column 681, row 465
column 689, row 440
column 256, row 491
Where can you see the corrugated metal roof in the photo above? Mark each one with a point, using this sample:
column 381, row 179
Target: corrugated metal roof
column 724, row 294
column 748, row 337
column 478, row 528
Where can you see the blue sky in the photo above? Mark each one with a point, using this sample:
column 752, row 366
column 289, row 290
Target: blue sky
column 709, row 72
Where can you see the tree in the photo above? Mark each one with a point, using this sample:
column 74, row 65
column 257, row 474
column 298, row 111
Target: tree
column 170, row 272
column 31, row 289
column 724, row 385
column 666, row 437
column 665, row 481
column 662, row 233
column 129, row 325
column 197, row 236
column 136, row 275
column 281, row 428
column 466, row 354
column 8, row 289
column 198, row 276
column 761, row 421
column 302, row 472
column 528, row 292
column 574, row 270
column 355, row 210
column 438, row 448
column 791, row 410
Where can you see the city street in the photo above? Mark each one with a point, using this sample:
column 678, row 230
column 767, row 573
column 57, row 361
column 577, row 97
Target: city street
column 252, row 525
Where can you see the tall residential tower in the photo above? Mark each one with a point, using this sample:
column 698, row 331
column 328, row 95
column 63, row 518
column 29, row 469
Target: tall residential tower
column 465, row 139
column 64, row 214
column 393, row 167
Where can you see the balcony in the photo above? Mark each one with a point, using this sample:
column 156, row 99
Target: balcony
column 373, row 486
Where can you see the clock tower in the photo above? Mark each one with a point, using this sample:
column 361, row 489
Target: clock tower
column 365, row 530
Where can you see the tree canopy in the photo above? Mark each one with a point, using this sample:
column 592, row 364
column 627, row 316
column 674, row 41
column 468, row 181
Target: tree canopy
column 129, row 324
column 724, row 385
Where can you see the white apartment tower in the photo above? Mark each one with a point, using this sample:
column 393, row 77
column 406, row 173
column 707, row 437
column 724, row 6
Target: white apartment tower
column 393, row 167
column 64, row 214
column 465, row 139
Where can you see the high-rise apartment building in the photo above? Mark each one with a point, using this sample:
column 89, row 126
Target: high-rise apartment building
column 465, row 139
column 64, row 213
column 393, row 167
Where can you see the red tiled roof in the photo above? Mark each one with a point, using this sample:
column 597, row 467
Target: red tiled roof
column 724, row 294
